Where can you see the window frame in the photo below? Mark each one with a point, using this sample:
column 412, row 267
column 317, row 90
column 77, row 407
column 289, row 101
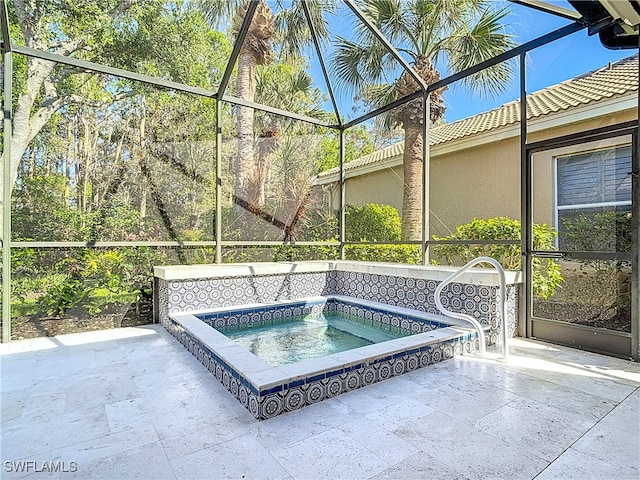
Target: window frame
column 558, row 208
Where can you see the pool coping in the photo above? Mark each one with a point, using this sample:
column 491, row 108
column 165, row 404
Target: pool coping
column 476, row 276
column 262, row 380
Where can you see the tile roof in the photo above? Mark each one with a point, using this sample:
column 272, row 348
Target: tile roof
column 613, row 80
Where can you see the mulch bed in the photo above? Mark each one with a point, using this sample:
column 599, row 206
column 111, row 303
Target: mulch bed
column 589, row 315
column 78, row 320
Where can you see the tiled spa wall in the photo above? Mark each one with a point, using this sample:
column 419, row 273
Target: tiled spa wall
column 295, row 394
column 360, row 313
column 228, row 287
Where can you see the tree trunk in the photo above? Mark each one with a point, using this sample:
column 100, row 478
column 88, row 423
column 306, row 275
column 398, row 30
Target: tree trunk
column 412, row 192
column 83, row 177
column 38, row 91
column 256, row 50
column 143, row 151
column 68, row 165
column 268, row 144
column 246, row 90
column 410, row 117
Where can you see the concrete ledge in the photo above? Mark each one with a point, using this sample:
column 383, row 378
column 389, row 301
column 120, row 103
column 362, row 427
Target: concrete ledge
column 475, row 276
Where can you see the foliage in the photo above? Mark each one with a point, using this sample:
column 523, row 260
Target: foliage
column 358, row 143
column 438, row 36
column 109, row 142
column 453, row 35
column 602, row 285
column 373, row 222
column 546, row 272
column 59, row 280
column 609, row 231
column 70, row 291
column 289, row 87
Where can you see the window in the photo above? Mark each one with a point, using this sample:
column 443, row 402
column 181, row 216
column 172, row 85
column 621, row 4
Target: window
column 594, row 200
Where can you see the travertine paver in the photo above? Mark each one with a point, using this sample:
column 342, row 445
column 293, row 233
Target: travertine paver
column 131, row 403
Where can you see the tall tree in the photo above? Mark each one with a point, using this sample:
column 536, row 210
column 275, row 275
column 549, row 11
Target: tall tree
column 448, row 34
column 289, row 26
column 165, row 39
column 62, row 28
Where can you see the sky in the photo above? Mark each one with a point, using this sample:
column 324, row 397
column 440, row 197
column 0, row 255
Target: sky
column 562, row 60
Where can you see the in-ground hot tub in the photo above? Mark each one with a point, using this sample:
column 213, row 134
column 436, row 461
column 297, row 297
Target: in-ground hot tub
column 192, row 301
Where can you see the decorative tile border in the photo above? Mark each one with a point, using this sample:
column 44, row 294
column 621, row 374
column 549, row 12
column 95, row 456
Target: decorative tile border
column 326, row 305
column 236, row 297
column 479, row 301
column 356, row 376
column 207, row 293
column 292, row 392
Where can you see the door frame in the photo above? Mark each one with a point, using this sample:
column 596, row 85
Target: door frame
column 610, row 342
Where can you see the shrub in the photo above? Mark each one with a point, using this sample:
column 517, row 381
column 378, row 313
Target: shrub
column 597, row 232
column 373, row 222
column 370, row 222
column 546, row 272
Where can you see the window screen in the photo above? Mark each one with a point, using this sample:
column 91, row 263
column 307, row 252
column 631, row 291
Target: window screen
column 595, row 177
column 594, row 201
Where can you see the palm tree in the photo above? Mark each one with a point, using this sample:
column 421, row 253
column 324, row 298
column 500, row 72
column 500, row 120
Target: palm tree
column 291, row 88
column 454, row 34
column 288, row 25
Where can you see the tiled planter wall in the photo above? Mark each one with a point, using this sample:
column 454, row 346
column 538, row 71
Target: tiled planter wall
column 480, row 301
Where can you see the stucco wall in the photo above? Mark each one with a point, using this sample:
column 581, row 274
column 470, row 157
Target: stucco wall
column 480, row 181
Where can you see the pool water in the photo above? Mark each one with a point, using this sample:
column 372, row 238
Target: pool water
column 290, row 340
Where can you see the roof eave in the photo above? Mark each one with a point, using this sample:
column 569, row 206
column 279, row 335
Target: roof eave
column 565, row 117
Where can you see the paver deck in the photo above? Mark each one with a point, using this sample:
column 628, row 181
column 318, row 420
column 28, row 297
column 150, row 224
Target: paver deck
column 132, row 403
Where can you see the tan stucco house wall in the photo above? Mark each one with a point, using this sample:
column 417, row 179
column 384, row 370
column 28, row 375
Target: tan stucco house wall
column 478, row 175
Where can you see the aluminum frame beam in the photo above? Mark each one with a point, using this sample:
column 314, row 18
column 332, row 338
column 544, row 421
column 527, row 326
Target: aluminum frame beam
column 117, row 72
column 237, row 46
column 278, row 111
column 4, row 26
column 635, row 238
column 549, row 8
column 6, row 197
column 325, row 73
column 218, row 225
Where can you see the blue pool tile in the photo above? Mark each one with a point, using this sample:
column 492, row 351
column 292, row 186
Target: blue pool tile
column 315, row 378
column 334, row 373
column 295, row 383
column 269, row 391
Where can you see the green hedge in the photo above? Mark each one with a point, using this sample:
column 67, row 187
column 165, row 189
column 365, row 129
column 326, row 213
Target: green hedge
column 546, row 272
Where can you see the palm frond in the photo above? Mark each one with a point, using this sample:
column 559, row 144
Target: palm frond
column 380, row 95
column 354, row 65
column 293, row 28
column 389, row 17
column 480, row 42
column 218, row 12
